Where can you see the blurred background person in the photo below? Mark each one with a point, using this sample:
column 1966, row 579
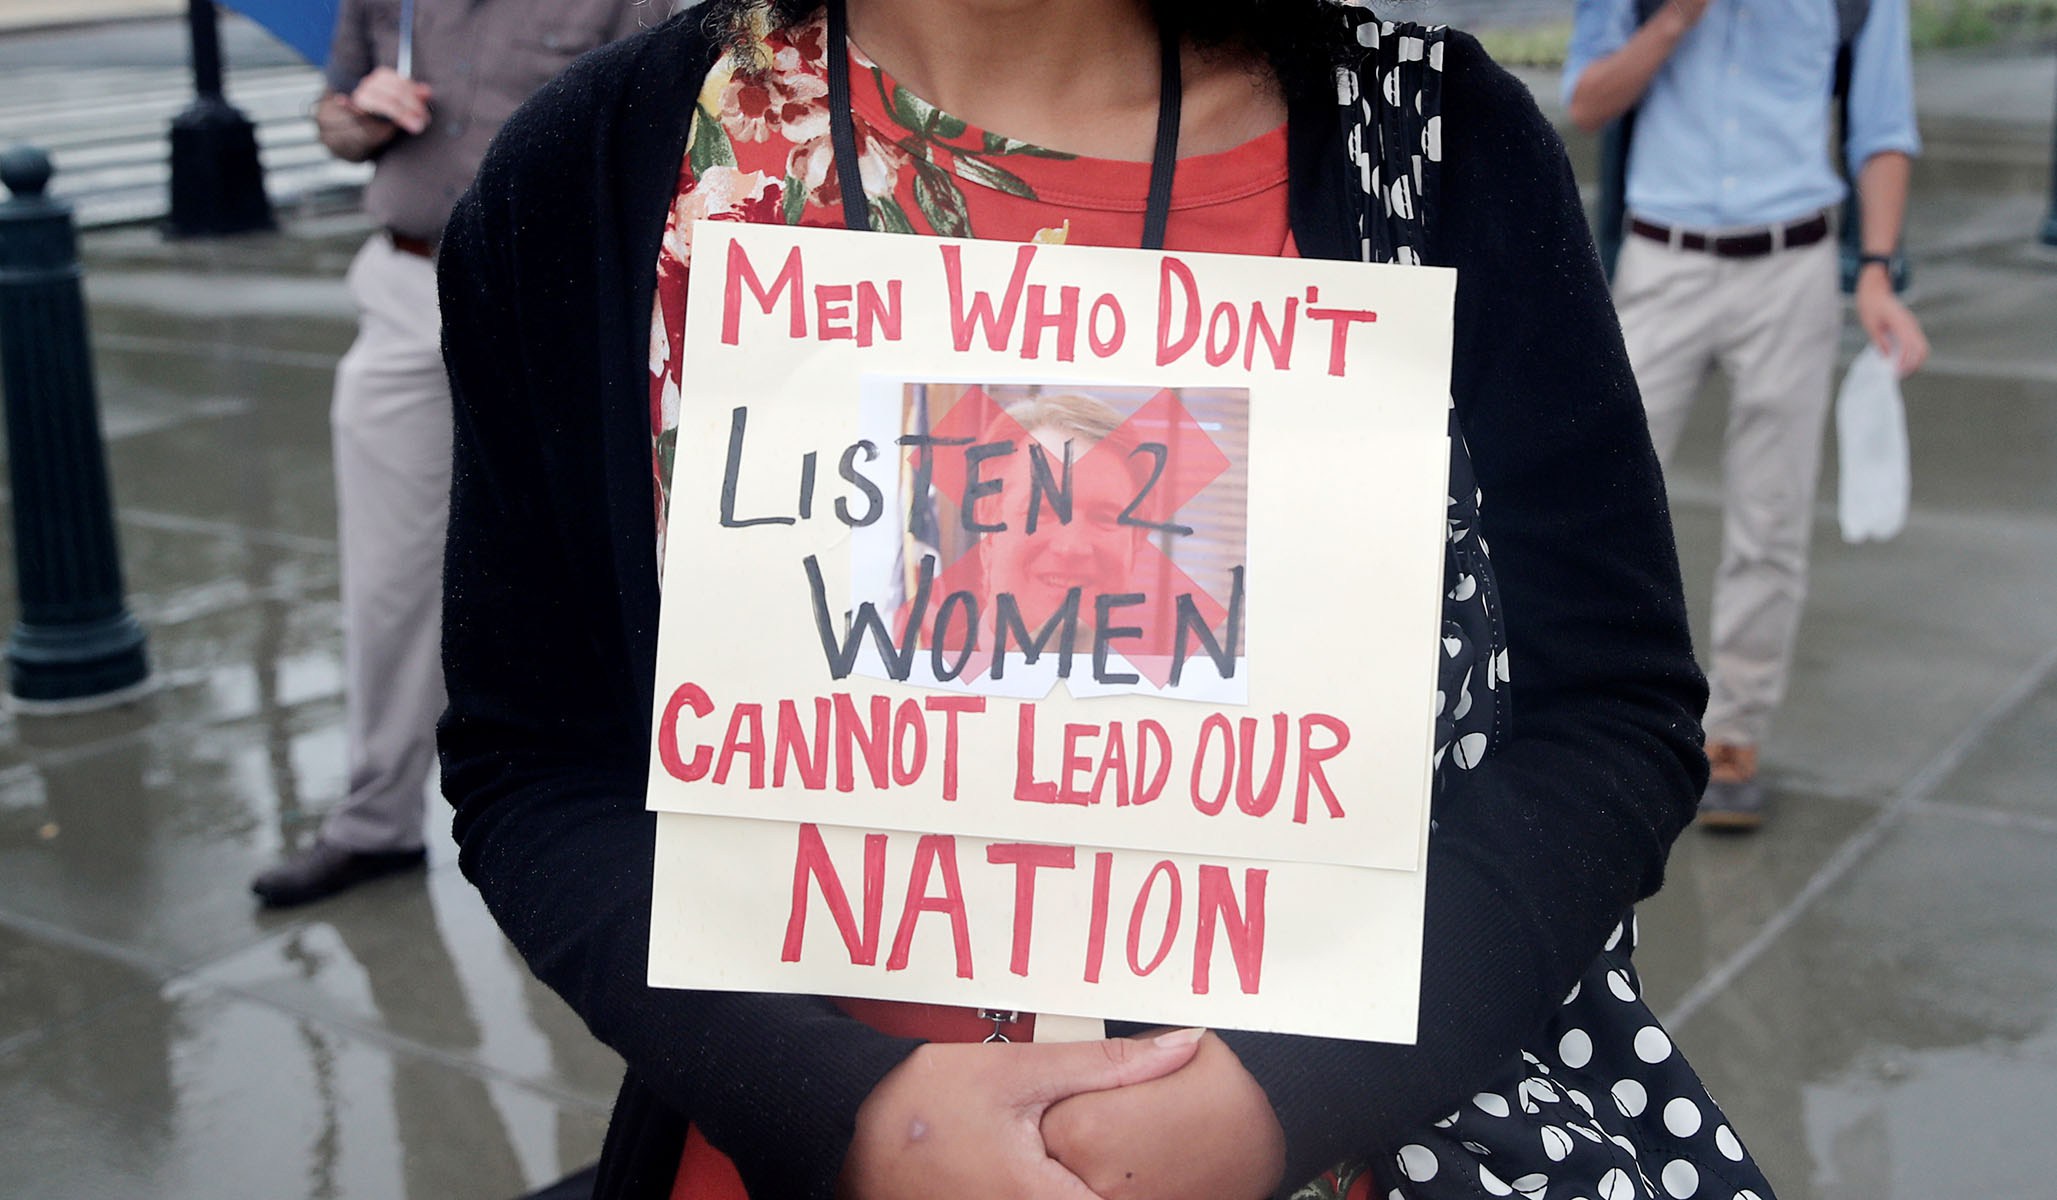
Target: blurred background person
column 1730, row 261
column 418, row 87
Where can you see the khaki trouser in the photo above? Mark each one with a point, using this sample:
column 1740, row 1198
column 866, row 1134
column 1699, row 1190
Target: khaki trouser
column 391, row 421
column 1772, row 325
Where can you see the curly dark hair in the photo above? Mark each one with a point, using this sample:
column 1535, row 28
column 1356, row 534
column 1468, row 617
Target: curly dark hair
column 1300, row 39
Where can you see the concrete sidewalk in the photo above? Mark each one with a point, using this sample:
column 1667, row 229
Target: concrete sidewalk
column 59, row 14
column 100, row 93
column 1868, row 985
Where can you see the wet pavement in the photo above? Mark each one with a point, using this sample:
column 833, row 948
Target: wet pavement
column 99, row 92
column 160, row 1036
column 1869, row 986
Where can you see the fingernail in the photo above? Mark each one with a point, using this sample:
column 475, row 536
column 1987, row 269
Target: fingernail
column 1179, row 1037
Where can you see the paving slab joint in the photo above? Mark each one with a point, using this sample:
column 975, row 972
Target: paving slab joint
column 1860, row 844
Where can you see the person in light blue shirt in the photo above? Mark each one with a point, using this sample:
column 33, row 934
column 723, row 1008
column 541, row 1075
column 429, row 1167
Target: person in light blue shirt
column 1730, row 262
column 1733, row 120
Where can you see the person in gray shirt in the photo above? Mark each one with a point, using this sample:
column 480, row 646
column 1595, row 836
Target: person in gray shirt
column 419, row 88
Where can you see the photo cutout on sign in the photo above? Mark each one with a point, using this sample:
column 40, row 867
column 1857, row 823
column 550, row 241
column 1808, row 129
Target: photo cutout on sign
column 1059, row 533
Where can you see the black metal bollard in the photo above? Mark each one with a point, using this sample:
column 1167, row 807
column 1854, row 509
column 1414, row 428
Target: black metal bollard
column 217, row 181
column 75, row 641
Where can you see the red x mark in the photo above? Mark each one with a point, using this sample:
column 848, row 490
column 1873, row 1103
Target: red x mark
column 1139, row 476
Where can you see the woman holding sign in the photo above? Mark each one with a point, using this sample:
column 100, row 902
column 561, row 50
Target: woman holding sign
column 1567, row 740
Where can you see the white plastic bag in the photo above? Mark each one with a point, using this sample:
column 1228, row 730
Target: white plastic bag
column 1871, row 439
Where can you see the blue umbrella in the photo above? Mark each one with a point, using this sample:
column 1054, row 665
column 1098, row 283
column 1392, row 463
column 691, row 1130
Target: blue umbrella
column 305, row 25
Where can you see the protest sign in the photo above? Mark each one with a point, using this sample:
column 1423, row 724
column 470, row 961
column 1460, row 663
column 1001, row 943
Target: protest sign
column 1052, row 628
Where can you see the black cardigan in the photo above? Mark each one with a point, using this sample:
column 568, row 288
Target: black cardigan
column 551, row 599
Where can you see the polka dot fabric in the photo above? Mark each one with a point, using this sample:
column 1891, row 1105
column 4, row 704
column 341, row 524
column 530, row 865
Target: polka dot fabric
column 1392, row 107
column 1603, row 1106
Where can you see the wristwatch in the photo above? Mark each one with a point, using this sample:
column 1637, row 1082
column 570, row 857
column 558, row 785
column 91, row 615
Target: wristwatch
column 1853, row 264
column 1891, row 262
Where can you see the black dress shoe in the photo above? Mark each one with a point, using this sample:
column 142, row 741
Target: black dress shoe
column 324, row 868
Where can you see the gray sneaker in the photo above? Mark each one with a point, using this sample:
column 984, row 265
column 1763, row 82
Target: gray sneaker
column 1734, row 806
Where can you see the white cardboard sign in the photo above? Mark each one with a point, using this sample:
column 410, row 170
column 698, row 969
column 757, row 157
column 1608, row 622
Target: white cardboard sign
column 1052, row 628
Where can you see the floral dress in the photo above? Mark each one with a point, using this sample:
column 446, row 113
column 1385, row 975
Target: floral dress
column 759, row 152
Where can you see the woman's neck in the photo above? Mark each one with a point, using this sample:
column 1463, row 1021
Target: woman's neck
column 1073, row 75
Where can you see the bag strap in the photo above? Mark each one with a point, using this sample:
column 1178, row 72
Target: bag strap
column 1850, row 18
column 1393, row 117
column 1393, row 109
column 1610, row 216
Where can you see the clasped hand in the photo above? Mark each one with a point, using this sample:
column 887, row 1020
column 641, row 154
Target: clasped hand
column 1168, row 1114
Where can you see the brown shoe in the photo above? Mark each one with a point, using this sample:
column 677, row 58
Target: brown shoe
column 1734, row 800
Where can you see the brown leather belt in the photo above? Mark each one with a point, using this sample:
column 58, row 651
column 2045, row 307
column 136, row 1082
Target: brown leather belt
column 1755, row 243
column 409, row 244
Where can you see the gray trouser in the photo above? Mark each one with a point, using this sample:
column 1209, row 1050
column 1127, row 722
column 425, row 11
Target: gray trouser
column 391, row 422
column 1772, row 325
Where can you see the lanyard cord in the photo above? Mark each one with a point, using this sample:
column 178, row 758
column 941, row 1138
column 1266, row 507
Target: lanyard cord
column 843, row 130
column 1164, row 158
column 842, row 127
